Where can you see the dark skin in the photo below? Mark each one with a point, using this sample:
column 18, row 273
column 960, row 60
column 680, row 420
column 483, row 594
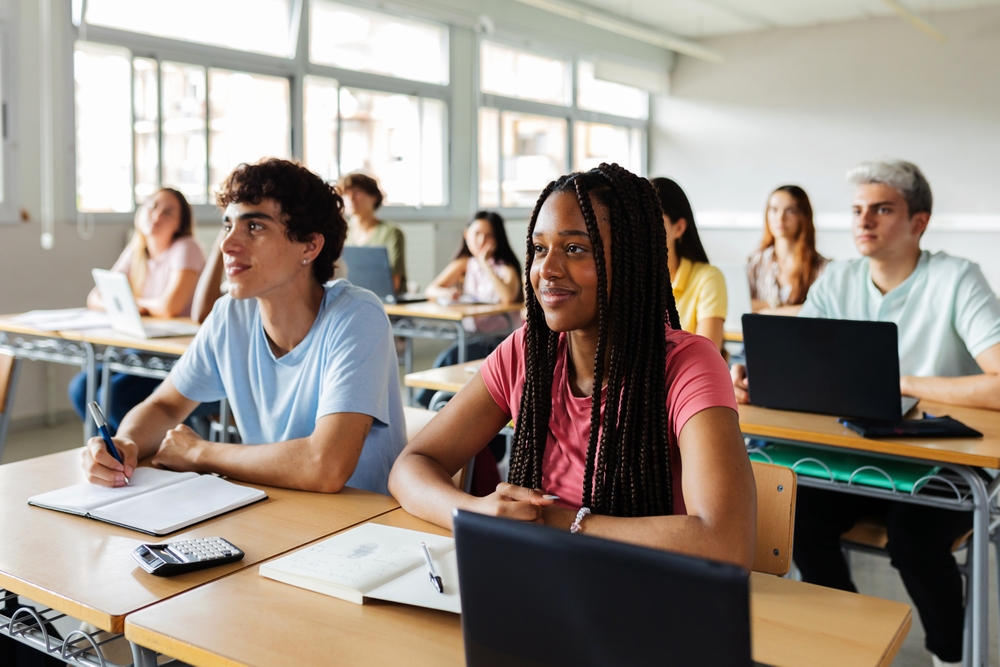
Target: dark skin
column 717, row 480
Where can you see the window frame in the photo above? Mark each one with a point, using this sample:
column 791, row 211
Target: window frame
column 294, row 68
column 572, row 114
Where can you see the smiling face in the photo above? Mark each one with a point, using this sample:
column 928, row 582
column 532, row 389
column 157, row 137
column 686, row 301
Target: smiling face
column 259, row 258
column 563, row 272
column 479, row 236
column 160, row 216
column 784, row 218
column 881, row 222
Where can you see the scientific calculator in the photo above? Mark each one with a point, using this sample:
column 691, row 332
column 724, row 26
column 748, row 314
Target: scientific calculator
column 170, row 558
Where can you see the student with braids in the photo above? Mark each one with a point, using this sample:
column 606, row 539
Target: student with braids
column 657, row 459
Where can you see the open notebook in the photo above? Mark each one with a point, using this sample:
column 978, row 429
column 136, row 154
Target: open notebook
column 155, row 502
column 374, row 561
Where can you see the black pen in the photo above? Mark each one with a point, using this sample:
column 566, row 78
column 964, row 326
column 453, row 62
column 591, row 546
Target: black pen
column 431, row 572
column 102, row 426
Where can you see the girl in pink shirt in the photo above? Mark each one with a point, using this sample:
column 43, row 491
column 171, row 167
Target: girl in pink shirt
column 625, row 426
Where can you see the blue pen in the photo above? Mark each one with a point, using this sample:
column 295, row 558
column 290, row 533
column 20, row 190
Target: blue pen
column 102, row 426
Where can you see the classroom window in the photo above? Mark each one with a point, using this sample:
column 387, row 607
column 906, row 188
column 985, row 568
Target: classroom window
column 260, row 26
column 594, row 143
column 184, row 130
column 248, row 119
column 103, row 91
column 399, row 139
column 532, row 152
column 489, row 158
column 522, row 74
column 608, row 97
column 357, row 39
column 146, row 126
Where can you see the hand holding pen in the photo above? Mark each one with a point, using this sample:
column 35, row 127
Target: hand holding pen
column 105, row 463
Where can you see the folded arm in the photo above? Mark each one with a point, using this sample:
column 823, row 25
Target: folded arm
column 175, row 299
column 974, row 391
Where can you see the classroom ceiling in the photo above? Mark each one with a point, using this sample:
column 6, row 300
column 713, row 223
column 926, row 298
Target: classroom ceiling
column 705, row 18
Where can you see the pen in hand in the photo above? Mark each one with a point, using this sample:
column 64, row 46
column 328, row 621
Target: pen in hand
column 102, row 426
column 431, row 572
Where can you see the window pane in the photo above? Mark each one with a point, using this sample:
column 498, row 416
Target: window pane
column 320, row 119
column 262, row 26
column 534, row 153
column 513, row 73
column 184, row 150
column 489, row 158
column 595, row 143
column 367, row 41
column 102, row 75
column 608, row 97
column 381, row 135
column 146, row 103
column 249, row 120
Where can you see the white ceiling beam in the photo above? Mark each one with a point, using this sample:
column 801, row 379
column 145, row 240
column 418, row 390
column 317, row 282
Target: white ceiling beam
column 663, row 40
column 916, row 21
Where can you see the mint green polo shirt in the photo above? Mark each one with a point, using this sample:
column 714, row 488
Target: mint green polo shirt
column 945, row 311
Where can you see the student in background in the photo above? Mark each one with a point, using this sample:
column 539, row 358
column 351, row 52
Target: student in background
column 308, row 367
column 786, row 264
column 699, row 287
column 667, row 466
column 162, row 262
column 949, row 352
column 367, row 230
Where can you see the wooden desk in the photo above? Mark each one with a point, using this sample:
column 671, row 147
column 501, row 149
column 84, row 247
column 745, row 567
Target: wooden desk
column 281, row 625
column 101, row 583
column 456, row 313
column 446, row 378
column 732, row 336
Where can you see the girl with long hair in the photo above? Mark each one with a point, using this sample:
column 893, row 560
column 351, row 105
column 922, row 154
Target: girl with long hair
column 625, row 426
column 786, row 264
column 699, row 287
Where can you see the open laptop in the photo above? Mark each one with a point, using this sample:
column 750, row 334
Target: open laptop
column 369, row 268
column 536, row 596
column 124, row 313
column 846, row 368
column 737, row 295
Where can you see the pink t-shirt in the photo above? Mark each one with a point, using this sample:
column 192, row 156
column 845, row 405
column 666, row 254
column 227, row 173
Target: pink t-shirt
column 184, row 254
column 696, row 376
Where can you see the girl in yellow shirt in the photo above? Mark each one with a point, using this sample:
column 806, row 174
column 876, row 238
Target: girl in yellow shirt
column 699, row 287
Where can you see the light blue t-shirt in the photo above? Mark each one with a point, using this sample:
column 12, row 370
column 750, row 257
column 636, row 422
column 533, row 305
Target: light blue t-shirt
column 945, row 311
column 346, row 363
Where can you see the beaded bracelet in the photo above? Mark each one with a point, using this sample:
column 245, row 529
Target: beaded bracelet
column 576, row 525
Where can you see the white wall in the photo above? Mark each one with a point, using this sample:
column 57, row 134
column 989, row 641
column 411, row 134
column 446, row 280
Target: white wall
column 803, row 105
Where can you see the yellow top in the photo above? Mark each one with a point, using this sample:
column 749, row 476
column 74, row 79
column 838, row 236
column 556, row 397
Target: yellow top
column 700, row 293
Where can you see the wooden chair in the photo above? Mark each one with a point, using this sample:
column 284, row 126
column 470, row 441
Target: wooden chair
column 776, row 487
column 416, row 420
column 9, row 365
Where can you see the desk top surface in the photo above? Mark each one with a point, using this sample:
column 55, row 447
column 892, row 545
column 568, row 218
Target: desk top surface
column 793, row 624
column 445, row 378
column 824, row 430
column 434, row 311
column 84, row 568
column 174, row 346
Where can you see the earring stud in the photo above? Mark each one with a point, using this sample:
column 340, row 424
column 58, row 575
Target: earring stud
column 304, row 262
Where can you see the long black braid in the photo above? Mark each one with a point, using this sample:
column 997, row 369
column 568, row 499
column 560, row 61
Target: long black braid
column 628, row 459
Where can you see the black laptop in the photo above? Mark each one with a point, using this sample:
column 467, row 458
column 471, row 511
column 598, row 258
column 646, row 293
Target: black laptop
column 368, row 267
column 534, row 596
column 847, row 368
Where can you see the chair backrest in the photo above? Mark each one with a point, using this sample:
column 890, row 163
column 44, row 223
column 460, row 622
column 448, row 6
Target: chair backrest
column 6, row 377
column 416, row 420
column 775, row 517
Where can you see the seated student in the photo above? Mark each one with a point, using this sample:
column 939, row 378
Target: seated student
column 308, row 368
column 786, row 264
column 699, row 287
column 367, row 230
column 658, row 459
column 484, row 269
column 949, row 351
column 162, row 262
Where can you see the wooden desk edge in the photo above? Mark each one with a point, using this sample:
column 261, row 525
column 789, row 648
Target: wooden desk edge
column 179, row 650
column 897, row 642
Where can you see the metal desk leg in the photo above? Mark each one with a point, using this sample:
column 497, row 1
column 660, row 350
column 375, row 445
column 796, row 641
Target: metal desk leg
column 8, row 405
column 105, row 398
column 461, row 342
column 89, row 427
column 224, row 418
column 408, row 366
column 979, row 578
column 143, row 656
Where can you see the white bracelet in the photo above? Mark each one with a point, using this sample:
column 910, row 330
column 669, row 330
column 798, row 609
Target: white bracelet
column 576, row 525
